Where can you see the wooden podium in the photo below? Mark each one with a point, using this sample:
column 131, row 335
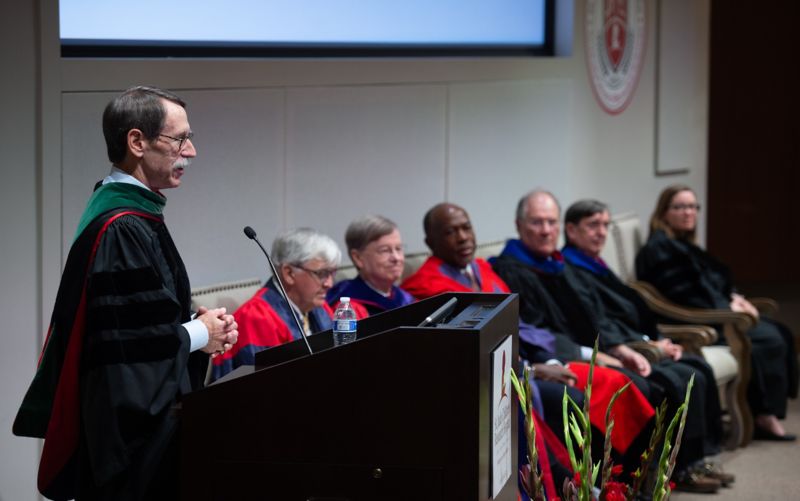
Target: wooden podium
column 403, row 413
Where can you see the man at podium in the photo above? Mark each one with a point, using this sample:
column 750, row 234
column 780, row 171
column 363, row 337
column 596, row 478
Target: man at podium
column 123, row 347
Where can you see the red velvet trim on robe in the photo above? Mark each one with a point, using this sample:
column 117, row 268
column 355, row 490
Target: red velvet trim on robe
column 429, row 281
column 631, row 411
column 63, row 428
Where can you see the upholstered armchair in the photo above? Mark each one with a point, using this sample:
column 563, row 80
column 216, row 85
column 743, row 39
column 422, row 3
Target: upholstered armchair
column 691, row 328
column 731, row 377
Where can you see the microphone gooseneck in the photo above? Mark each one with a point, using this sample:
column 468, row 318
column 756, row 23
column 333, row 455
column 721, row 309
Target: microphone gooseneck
column 251, row 234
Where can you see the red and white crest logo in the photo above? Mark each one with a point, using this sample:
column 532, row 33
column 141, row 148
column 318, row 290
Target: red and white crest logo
column 615, row 46
column 616, row 23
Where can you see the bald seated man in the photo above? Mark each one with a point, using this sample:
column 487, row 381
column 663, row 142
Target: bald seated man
column 454, row 268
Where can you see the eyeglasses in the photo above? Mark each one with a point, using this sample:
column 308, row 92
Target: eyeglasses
column 323, row 274
column 682, row 207
column 181, row 140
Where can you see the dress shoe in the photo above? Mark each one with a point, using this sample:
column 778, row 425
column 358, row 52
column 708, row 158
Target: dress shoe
column 762, row 434
column 690, row 481
column 715, row 471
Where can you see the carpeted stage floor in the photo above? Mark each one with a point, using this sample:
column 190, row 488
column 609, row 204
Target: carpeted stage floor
column 766, row 470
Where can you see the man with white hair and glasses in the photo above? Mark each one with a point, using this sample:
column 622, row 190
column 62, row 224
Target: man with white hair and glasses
column 306, row 261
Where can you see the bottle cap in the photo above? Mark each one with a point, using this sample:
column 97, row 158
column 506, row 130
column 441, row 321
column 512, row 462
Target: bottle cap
column 344, row 299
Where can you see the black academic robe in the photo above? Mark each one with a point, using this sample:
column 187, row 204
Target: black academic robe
column 116, row 363
column 619, row 311
column 551, row 301
column 689, row 276
column 563, row 300
column 538, row 307
column 684, row 273
column 624, row 317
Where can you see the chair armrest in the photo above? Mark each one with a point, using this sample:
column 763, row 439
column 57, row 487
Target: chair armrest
column 734, row 326
column 740, row 321
column 650, row 352
column 765, row 305
column 691, row 337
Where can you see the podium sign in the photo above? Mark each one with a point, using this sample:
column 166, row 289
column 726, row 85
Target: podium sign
column 501, row 416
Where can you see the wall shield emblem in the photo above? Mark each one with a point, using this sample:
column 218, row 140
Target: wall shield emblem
column 616, row 39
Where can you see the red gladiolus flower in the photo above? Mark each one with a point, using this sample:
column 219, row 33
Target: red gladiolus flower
column 671, row 485
column 616, row 470
column 577, row 480
column 615, row 491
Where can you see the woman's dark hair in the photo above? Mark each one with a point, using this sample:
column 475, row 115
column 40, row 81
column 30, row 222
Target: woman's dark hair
column 658, row 219
column 140, row 108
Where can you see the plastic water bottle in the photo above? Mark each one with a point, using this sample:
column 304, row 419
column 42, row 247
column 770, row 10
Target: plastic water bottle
column 344, row 323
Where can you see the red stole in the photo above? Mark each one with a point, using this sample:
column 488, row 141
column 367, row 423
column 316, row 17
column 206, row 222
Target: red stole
column 429, row 281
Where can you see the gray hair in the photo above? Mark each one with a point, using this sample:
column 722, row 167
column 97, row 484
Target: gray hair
column 367, row 229
column 296, row 246
column 533, row 193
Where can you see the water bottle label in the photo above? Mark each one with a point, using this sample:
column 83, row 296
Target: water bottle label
column 345, row 325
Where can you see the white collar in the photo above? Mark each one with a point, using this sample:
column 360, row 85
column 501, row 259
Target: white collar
column 118, row 175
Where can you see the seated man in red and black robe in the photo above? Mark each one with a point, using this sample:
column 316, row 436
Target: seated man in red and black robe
column 306, row 261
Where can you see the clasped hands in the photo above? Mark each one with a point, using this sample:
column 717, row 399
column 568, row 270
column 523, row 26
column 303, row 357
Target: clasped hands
column 636, row 362
column 741, row 304
column 222, row 330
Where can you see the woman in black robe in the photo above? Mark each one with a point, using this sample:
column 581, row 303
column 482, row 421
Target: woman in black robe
column 687, row 275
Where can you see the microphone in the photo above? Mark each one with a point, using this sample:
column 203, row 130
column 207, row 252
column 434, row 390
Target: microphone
column 251, row 234
column 440, row 314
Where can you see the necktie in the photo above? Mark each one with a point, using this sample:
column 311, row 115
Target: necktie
column 471, row 276
column 306, row 324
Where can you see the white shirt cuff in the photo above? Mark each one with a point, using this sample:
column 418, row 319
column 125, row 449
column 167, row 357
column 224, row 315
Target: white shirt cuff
column 586, row 353
column 198, row 334
column 554, row 361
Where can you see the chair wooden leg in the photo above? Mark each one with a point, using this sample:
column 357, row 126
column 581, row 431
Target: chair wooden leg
column 741, row 349
column 736, row 413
